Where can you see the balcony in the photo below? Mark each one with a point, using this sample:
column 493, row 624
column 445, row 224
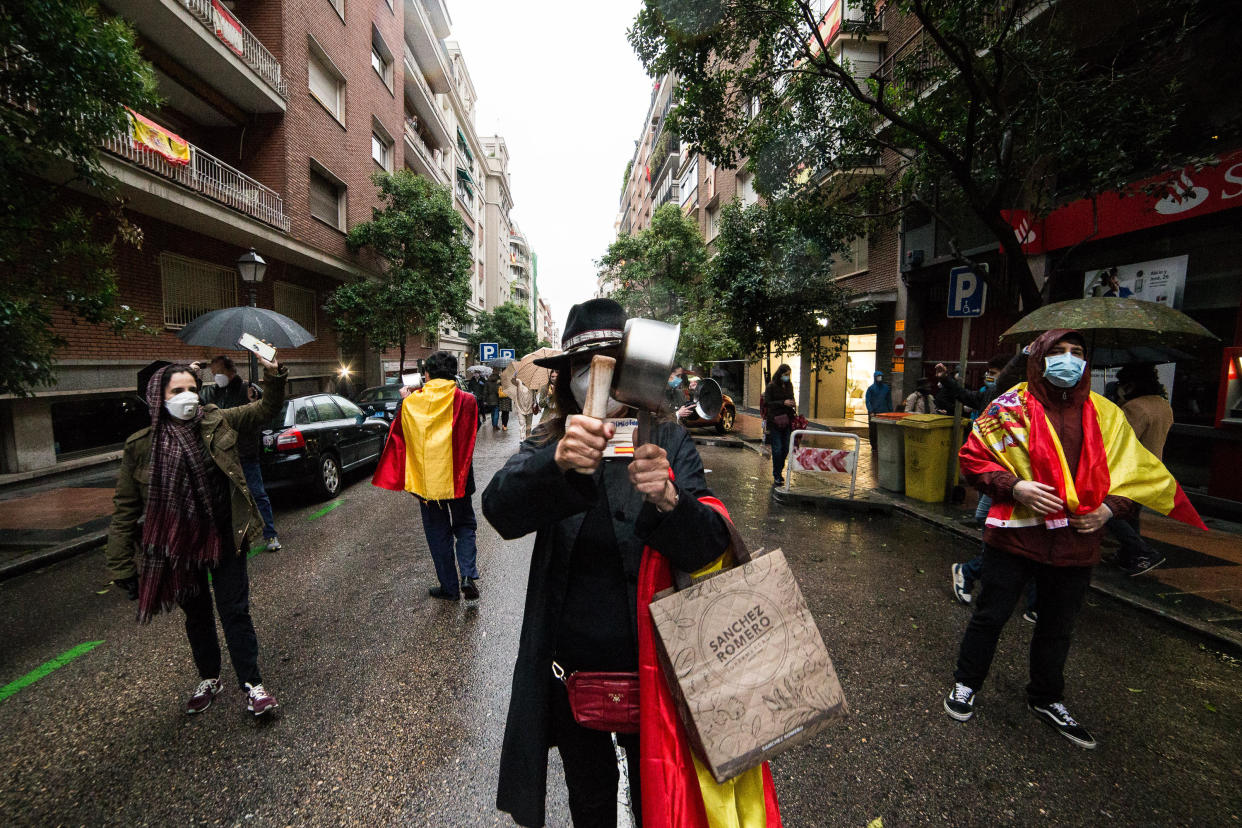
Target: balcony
column 425, row 39
column 422, row 100
column 920, row 61
column 223, row 52
column 421, row 158
column 668, row 191
column 209, row 176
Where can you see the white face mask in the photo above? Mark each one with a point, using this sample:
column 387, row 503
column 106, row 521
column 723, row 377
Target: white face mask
column 580, row 382
column 221, row 379
column 183, row 406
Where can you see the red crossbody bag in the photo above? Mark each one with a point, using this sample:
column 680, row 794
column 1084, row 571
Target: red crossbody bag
column 602, row 701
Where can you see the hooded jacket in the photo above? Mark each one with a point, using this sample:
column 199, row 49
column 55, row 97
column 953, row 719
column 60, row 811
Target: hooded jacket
column 1063, row 546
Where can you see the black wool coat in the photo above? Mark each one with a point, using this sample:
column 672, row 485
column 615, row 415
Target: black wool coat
column 531, row 494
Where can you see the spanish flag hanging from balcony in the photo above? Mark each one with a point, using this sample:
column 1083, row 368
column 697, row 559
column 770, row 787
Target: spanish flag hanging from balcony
column 146, row 134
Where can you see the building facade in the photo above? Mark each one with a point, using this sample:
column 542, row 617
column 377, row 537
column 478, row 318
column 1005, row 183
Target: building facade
column 278, row 113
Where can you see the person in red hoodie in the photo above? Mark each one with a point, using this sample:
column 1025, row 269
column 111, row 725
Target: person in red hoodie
column 1053, row 457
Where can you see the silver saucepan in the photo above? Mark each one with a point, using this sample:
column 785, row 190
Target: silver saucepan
column 648, row 352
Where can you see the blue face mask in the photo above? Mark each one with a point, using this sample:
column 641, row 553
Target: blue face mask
column 673, row 383
column 785, row 378
column 1064, row 370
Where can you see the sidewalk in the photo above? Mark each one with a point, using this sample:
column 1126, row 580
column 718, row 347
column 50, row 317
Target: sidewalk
column 47, row 519
column 1199, row 586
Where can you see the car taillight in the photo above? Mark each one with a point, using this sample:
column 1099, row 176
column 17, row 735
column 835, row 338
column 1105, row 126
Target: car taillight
column 290, row 440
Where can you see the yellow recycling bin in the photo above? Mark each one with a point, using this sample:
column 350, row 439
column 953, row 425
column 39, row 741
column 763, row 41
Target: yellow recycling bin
column 927, row 455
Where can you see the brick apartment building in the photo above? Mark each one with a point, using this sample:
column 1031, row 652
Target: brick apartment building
column 285, row 110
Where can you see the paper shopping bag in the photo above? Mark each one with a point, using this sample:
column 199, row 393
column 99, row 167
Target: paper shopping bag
column 746, row 664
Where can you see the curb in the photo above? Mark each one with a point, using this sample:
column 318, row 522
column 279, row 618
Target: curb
column 856, row 504
column 720, row 442
column 44, row 557
column 1121, row 596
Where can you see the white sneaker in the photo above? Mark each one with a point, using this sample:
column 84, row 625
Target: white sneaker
column 959, row 585
column 273, row 545
column 258, row 700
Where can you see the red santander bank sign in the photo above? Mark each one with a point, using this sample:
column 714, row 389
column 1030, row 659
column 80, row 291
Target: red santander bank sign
column 1189, row 194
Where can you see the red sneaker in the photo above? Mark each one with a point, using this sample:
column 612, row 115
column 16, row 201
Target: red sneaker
column 258, row 700
column 204, row 695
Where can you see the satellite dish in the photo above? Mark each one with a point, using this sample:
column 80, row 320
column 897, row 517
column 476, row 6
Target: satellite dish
column 708, row 399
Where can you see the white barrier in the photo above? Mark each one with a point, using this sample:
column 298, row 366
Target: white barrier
column 811, row 459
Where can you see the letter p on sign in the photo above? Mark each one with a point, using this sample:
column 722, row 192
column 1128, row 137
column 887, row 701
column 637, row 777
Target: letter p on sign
column 967, row 292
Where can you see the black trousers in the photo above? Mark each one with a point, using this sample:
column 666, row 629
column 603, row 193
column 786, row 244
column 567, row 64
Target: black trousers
column 1059, row 595
column 590, row 762
column 231, row 586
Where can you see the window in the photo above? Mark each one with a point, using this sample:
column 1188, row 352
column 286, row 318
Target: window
column 327, row 84
column 746, row 189
column 381, row 58
column 381, row 145
column 327, row 199
column 690, row 183
column 297, row 303
column 326, row 409
column 712, row 229
column 192, row 287
column 339, row 5
column 851, row 260
column 348, row 408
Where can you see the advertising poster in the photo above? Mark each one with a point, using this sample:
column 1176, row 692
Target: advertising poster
column 1161, row 280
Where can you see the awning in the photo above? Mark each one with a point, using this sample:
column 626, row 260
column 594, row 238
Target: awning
column 465, row 145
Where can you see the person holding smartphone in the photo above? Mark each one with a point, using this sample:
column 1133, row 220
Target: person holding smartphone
column 182, row 502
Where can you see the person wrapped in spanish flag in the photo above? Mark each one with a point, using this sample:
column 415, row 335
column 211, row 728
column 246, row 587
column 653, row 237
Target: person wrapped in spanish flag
column 430, row 454
column 608, row 533
column 1058, row 462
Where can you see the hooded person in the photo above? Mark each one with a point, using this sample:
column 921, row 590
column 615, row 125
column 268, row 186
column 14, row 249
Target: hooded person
column 608, row 535
column 1058, row 462
column 430, row 454
column 182, row 501
column 879, row 400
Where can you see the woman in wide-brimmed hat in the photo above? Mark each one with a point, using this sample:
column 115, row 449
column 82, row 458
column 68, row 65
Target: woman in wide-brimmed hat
column 606, row 533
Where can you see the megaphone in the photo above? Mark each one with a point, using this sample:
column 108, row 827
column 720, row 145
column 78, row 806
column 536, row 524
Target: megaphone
column 708, row 399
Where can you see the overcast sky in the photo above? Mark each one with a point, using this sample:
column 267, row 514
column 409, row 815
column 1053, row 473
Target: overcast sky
column 559, row 81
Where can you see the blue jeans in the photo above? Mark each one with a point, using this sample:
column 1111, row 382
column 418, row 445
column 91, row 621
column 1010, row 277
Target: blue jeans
column 495, row 416
column 254, row 482
column 779, row 440
column 443, row 522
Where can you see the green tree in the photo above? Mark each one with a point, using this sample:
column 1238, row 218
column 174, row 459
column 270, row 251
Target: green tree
column 508, row 326
column 773, row 283
column 66, row 72
column 420, row 243
column 658, row 273
column 1021, row 104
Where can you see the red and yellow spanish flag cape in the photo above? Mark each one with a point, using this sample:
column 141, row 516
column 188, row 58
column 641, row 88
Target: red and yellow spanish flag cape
column 678, row 790
column 431, row 444
column 1015, row 435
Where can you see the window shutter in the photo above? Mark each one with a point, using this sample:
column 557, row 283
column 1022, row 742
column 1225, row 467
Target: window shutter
column 324, row 200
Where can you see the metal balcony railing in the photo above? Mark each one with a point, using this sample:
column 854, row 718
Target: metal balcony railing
column 209, row 176
column 425, row 152
column 240, row 40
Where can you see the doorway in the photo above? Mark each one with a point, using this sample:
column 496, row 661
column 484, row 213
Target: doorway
column 859, row 368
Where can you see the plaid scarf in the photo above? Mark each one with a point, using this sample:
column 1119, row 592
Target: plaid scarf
column 180, row 534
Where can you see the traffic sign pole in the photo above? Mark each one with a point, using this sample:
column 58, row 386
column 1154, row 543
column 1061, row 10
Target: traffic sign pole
column 962, row 353
column 968, row 293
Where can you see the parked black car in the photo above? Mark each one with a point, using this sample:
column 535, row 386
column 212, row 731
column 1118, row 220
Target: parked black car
column 316, row 439
column 381, row 401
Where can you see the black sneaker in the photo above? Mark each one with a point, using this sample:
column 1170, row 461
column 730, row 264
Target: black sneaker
column 468, row 589
column 441, row 592
column 960, row 703
column 1145, row 563
column 960, row 592
column 1058, row 717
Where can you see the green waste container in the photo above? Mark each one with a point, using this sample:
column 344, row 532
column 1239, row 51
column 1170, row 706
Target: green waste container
column 890, row 448
column 927, row 455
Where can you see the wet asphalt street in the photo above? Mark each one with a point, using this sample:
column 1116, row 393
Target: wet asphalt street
column 393, row 703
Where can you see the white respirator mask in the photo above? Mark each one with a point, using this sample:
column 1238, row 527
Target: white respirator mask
column 221, row 379
column 183, row 406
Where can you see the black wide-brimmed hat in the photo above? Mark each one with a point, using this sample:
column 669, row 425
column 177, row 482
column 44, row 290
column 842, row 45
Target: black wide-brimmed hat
column 592, row 326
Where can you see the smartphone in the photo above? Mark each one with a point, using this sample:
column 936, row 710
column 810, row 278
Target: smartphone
column 412, row 380
column 253, row 343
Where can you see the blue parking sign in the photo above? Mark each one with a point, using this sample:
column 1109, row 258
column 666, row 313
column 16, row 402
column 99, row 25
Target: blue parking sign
column 967, row 292
column 488, row 351
column 508, row 353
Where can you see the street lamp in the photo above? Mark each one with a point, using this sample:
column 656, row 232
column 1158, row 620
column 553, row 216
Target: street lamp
column 252, row 267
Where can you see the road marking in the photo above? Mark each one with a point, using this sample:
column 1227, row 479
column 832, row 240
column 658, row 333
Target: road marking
column 42, row 670
column 325, row 509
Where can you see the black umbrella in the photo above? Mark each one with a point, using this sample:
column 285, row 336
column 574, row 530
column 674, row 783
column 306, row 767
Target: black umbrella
column 222, row 328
